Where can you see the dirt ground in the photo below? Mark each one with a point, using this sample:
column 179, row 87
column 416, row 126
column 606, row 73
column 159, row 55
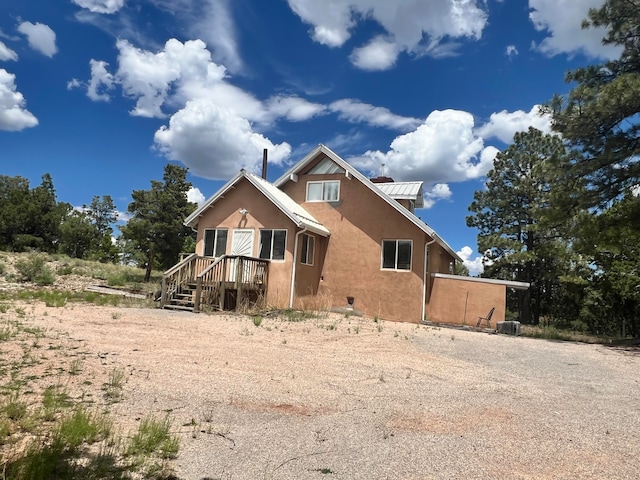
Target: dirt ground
column 347, row 398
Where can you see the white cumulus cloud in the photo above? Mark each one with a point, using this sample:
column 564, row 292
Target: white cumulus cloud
column 194, row 195
column 149, row 77
column 511, row 51
column 475, row 265
column 417, row 27
column 215, row 142
column 40, row 37
column 440, row 191
column 101, row 81
column 562, row 21
column 443, row 149
column 101, row 6
column 503, row 125
column 7, row 54
column 13, row 113
column 379, row 54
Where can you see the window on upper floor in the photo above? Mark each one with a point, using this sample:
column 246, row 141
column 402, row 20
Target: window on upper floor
column 273, row 244
column 308, row 249
column 396, row 254
column 215, row 242
column 324, row 191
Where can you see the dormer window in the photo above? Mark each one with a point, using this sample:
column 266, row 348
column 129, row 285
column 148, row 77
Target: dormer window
column 325, row 191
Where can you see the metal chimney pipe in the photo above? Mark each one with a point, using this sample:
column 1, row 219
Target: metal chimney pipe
column 264, row 164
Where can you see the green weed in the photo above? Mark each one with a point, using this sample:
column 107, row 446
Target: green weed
column 154, row 437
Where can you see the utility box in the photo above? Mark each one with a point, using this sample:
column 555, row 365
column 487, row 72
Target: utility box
column 509, row 327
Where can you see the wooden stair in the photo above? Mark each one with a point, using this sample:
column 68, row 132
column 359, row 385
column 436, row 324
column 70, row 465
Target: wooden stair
column 224, row 283
column 183, row 298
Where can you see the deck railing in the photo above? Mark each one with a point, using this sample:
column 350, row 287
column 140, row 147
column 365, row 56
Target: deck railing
column 243, row 275
column 183, row 273
column 212, row 277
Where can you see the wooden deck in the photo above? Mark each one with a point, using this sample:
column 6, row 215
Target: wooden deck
column 229, row 282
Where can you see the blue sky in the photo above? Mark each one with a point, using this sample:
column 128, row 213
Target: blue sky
column 101, row 94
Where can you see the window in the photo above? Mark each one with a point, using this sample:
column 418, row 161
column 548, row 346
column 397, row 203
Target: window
column 396, row 254
column 327, row 191
column 308, row 249
column 273, row 244
column 215, row 242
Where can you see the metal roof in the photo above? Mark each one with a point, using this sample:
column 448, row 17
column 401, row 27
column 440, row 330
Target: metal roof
column 349, row 170
column 403, row 191
column 506, row 283
column 284, row 202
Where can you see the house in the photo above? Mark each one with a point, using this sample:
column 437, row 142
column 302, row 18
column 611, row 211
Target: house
column 325, row 236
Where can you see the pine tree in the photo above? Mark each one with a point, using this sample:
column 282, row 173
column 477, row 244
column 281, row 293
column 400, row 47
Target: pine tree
column 600, row 114
column 156, row 227
column 520, row 217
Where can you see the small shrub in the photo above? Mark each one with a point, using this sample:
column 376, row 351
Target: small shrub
column 55, row 299
column 154, row 437
column 64, row 270
column 14, row 409
column 292, row 315
column 75, row 367
column 113, row 388
column 257, row 320
column 34, row 269
column 116, row 279
column 80, row 427
column 7, row 332
column 54, row 399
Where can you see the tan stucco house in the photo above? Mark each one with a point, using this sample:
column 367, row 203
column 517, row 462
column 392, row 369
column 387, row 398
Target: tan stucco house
column 328, row 237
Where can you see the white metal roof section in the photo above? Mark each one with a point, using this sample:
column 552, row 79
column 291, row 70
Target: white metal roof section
column 350, row 170
column 284, row 202
column 403, row 191
column 287, row 204
column 495, row 281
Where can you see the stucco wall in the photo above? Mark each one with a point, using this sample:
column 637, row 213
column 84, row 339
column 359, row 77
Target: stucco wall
column 358, row 223
column 308, row 276
column 461, row 302
column 262, row 214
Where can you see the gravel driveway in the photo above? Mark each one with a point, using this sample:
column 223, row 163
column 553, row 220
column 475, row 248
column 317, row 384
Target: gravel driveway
column 347, row 398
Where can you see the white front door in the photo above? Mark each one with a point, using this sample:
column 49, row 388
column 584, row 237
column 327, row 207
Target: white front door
column 241, row 244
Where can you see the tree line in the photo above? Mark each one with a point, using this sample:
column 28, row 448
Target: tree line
column 562, row 210
column 153, row 237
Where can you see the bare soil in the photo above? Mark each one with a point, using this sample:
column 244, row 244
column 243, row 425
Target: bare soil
column 345, row 397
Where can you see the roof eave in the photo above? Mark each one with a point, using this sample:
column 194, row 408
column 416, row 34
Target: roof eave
column 365, row 181
column 192, row 220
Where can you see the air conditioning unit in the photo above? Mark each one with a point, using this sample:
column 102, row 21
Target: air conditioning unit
column 509, row 328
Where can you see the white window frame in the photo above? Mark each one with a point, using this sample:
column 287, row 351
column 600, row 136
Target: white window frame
column 395, row 267
column 322, row 182
column 270, row 257
column 215, row 241
column 308, row 249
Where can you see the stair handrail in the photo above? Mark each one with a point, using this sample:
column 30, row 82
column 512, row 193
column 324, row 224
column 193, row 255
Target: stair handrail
column 202, row 275
column 179, row 274
column 179, row 265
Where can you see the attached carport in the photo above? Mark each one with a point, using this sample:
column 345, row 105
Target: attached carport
column 461, row 300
